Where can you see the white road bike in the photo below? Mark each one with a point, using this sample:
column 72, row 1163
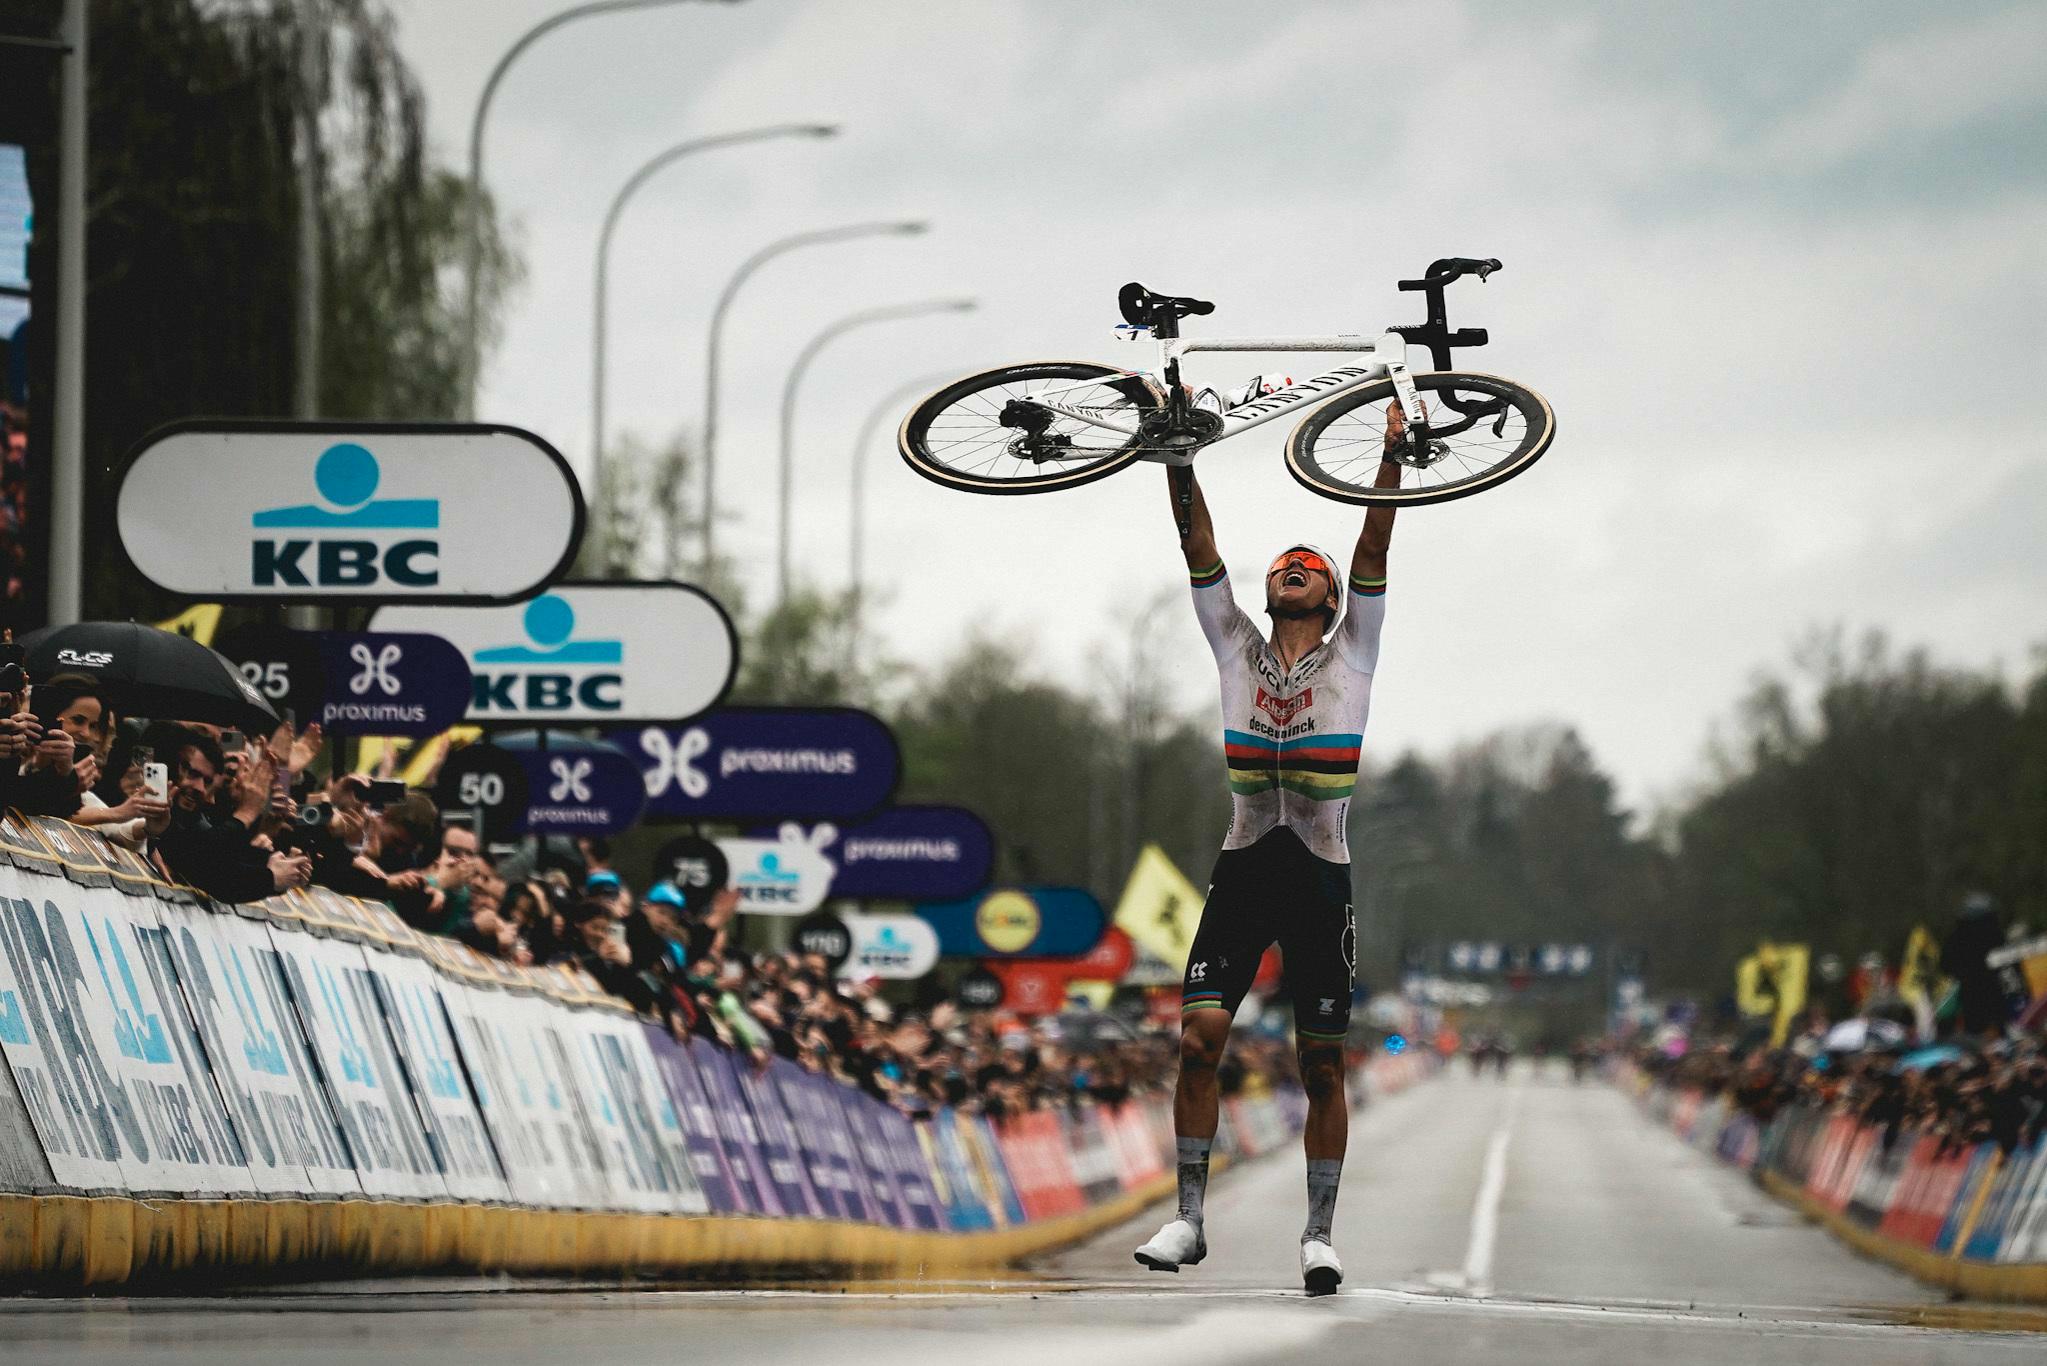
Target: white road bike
column 1048, row 425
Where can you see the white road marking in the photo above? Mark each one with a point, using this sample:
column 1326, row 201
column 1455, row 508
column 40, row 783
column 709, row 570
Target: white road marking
column 1211, row 1335
column 1485, row 1212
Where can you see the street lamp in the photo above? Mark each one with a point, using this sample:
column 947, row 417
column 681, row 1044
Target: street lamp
column 887, row 408
column 731, row 291
column 611, row 215
column 473, row 226
column 804, row 357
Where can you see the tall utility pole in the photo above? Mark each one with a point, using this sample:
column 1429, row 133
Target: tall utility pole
column 305, row 389
column 601, row 306
column 67, row 444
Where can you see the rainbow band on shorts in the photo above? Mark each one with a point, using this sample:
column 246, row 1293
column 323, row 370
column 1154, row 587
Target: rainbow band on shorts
column 1201, row 1000
column 1320, row 1036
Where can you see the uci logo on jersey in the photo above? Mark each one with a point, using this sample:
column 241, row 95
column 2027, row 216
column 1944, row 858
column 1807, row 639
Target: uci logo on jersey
column 332, row 550
column 553, row 672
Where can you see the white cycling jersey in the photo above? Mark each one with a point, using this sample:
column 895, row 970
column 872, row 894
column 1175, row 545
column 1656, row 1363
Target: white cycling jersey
column 1291, row 737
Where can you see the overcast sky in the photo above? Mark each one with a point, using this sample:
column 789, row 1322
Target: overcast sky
column 1779, row 270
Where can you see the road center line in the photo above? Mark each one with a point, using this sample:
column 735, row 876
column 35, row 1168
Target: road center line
column 1485, row 1212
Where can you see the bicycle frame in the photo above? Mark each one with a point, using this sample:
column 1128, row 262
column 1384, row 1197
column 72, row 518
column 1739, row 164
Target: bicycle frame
column 1381, row 357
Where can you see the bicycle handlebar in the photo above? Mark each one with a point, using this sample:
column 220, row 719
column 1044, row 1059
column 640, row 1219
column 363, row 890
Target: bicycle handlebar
column 1450, row 268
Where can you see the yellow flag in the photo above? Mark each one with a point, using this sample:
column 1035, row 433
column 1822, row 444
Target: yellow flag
column 1160, row 908
column 197, row 622
column 1770, row 983
column 1792, row 965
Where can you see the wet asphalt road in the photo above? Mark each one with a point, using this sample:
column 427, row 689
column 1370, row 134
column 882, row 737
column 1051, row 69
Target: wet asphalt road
column 1524, row 1220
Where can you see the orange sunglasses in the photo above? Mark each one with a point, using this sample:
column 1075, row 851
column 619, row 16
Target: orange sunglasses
column 1306, row 559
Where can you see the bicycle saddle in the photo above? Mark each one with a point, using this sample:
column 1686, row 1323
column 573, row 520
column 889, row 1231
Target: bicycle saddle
column 1142, row 308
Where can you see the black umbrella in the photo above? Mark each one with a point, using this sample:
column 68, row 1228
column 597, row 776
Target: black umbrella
column 152, row 673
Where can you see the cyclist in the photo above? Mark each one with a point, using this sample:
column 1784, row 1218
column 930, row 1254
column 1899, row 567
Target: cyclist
column 1294, row 710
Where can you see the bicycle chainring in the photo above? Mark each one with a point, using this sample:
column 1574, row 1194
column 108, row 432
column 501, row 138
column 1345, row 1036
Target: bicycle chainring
column 1196, row 428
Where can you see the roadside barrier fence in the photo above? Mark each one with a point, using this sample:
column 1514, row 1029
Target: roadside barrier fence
column 305, row 1084
column 1970, row 1217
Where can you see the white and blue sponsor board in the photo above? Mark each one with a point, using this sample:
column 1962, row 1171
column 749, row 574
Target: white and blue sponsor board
column 330, row 986
column 109, row 1069
column 347, row 512
column 587, row 653
column 909, row 853
column 766, row 763
column 897, row 948
column 235, row 987
column 518, row 1069
column 785, row 875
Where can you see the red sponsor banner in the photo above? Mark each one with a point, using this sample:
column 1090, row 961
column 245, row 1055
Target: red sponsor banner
column 1040, row 1166
column 1030, row 986
column 1107, row 961
column 1270, row 971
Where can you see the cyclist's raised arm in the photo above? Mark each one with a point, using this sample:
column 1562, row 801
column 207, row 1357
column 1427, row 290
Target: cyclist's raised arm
column 1198, row 545
column 1222, row 621
column 1366, row 610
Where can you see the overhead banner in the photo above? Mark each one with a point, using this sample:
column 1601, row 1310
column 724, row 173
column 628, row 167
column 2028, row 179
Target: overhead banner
column 767, row 763
column 912, row 853
column 897, row 948
column 354, row 682
column 588, row 653
column 786, row 875
column 1018, row 922
column 347, row 512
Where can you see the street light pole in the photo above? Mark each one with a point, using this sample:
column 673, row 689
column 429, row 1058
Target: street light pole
column 804, row 357
column 67, row 437
column 725, row 298
column 601, row 310
column 857, row 549
column 473, row 224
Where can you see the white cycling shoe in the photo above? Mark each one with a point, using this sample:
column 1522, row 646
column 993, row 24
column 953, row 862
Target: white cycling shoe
column 1180, row 1243
column 1321, row 1273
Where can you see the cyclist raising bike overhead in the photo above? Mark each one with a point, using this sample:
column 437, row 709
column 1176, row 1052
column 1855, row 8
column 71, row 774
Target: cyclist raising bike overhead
column 1294, row 710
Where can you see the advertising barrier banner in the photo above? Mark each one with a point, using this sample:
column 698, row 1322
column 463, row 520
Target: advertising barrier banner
column 110, row 1076
column 409, row 992
column 548, row 1159
column 722, row 1191
column 331, row 990
column 766, row 763
column 285, row 1118
column 638, row 1131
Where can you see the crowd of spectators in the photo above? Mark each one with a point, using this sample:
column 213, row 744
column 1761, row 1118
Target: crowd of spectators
column 245, row 818
column 1966, row 1091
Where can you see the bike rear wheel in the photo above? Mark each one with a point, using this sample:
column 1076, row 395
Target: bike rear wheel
column 1484, row 431
column 958, row 436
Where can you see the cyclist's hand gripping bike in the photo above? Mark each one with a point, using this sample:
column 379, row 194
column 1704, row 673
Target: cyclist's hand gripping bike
column 1056, row 424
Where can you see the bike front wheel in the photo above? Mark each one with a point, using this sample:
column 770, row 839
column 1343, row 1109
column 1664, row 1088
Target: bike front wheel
column 1483, row 430
column 985, row 433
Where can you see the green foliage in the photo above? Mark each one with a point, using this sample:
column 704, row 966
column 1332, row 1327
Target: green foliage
column 194, row 232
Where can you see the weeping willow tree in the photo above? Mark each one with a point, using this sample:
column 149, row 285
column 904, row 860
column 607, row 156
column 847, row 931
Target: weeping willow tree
column 195, row 226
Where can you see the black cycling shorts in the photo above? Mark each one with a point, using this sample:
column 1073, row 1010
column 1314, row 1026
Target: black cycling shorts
column 1275, row 890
